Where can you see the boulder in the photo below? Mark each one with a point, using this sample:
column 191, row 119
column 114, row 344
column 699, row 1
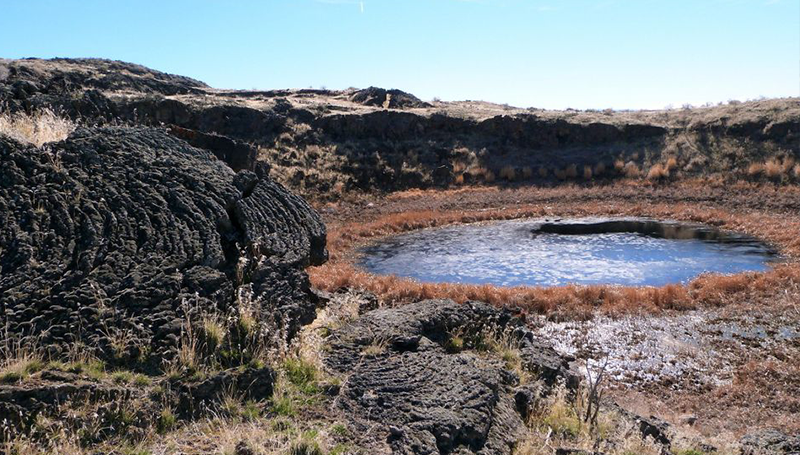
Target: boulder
column 127, row 231
column 404, row 380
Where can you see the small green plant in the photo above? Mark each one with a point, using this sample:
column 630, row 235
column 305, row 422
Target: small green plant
column 250, row 411
column 141, row 380
column 690, row 452
column 283, row 405
column 339, row 449
column 339, row 429
column 454, row 344
column 305, row 447
column 166, row 421
column 122, row 377
column 11, row 377
column 302, row 374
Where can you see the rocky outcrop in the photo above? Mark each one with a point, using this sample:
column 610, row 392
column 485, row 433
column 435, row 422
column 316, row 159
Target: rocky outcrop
column 389, row 99
column 770, row 442
column 196, row 398
column 120, row 233
column 321, row 142
column 407, row 379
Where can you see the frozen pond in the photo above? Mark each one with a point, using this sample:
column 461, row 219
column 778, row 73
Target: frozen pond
column 556, row 252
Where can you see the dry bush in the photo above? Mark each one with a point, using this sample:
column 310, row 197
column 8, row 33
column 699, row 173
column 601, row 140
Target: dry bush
column 459, row 180
column 672, row 163
column 482, row 172
column 527, row 172
column 787, row 165
column 631, row 170
column 508, row 173
column 755, row 169
column 38, row 128
column 572, row 171
column 773, row 168
column 796, row 171
column 459, row 167
column 587, row 172
column 619, row 166
column 599, row 169
column 543, row 172
column 658, row 172
column 560, row 174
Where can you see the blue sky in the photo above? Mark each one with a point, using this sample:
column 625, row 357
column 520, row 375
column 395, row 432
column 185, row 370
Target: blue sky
column 541, row 53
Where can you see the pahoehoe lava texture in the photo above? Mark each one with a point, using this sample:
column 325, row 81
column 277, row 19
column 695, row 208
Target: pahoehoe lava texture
column 426, row 399
column 121, row 229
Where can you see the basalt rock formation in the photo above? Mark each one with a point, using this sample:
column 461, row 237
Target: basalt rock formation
column 425, row 393
column 121, row 233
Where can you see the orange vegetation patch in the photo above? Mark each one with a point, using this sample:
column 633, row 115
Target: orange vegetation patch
column 571, row 301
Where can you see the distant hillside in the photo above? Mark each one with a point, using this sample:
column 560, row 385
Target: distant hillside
column 324, row 142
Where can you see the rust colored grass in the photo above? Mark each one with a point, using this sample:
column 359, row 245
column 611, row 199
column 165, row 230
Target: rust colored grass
column 658, row 172
column 631, row 170
column 773, row 168
column 572, row 301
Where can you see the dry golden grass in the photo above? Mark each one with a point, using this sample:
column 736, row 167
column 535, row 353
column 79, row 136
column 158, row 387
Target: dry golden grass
column 755, row 169
column 658, row 172
column 619, row 166
column 38, row 128
column 631, row 170
column 773, row 168
column 569, row 301
column 459, row 167
column 459, row 179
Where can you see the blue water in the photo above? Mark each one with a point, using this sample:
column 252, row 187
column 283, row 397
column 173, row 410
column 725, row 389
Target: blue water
column 508, row 253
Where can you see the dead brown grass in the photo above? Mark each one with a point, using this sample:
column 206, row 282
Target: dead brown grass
column 658, row 172
column 38, row 128
column 631, row 170
column 567, row 301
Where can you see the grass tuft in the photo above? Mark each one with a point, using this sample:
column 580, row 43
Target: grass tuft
column 38, row 128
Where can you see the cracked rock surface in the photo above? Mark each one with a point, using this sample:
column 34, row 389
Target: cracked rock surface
column 122, row 230
column 403, row 381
